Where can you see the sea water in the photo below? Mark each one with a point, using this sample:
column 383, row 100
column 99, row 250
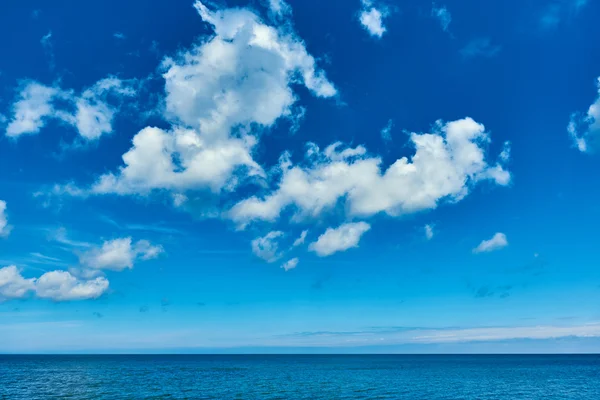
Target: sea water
column 300, row 377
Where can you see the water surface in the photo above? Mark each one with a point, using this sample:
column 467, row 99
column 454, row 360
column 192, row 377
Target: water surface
column 300, row 377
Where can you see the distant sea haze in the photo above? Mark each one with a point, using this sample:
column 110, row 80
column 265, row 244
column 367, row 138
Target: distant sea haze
column 300, row 377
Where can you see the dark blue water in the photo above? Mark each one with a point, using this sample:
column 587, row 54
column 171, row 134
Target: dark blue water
column 300, row 377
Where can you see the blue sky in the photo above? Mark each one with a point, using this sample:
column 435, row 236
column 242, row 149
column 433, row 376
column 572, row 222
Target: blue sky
column 269, row 176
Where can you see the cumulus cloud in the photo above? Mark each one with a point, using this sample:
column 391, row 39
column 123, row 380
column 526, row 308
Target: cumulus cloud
column 371, row 18
column 339, row 239
column 62, row 286
column 291, row 264
column 442, row 14
column 497, row 242
column 267, row 247
column 90, row 113
column 4, row 227
column 444, row 167
column 54, row 285
column 13, row 285
column 584, row 129
column 119, row 254
column 220, row 94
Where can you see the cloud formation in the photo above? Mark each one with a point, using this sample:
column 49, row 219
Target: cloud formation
column 584, row 128
column 62, row 286
column 220, row 94
column 371, row 18
column 119, row 254
column 90, row 113
column 497, row 242
column 342, row 238
column 445, row 165
column 54, row 285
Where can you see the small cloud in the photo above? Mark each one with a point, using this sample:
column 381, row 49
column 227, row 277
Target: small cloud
column 480, row 47
column 119, row 35
column 267, row 247
column 505, row 155
column 291, row 264
column 342, row 238
column 497, row 242
column 371, row 18
column 5, row 228
column 429, row 231
column 300, row 241
column 386, row 133
column 584, row 128
column 442, row 15
column 119, row 254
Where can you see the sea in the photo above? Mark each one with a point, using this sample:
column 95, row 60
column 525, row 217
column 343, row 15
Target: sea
column 300, row 377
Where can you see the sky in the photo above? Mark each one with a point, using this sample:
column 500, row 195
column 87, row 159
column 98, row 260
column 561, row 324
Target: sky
column 301, row 176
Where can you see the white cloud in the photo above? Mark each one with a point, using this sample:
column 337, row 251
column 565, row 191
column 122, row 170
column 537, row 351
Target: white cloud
column 339, row 239
column 371, row 18
column 54, row 285
column 119, row 35
column 62, row 286
column 91, row 112
column 220, row 95
column 32, row 109
column 267, row 247
column 4, row 227
column 497, row 242
column 585, row 129
column 291, row 264
column 429, row 231
column 442, row 15
column 119, row 254
column 372, row 22
column 444, row 167
column 386, row 133
column 300, row 241
column 13, row 285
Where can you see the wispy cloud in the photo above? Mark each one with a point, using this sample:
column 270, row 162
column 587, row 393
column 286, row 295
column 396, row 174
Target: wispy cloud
column 480, row 47
column 443, row 16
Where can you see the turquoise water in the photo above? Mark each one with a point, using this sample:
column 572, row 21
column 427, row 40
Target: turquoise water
column 300, row 377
